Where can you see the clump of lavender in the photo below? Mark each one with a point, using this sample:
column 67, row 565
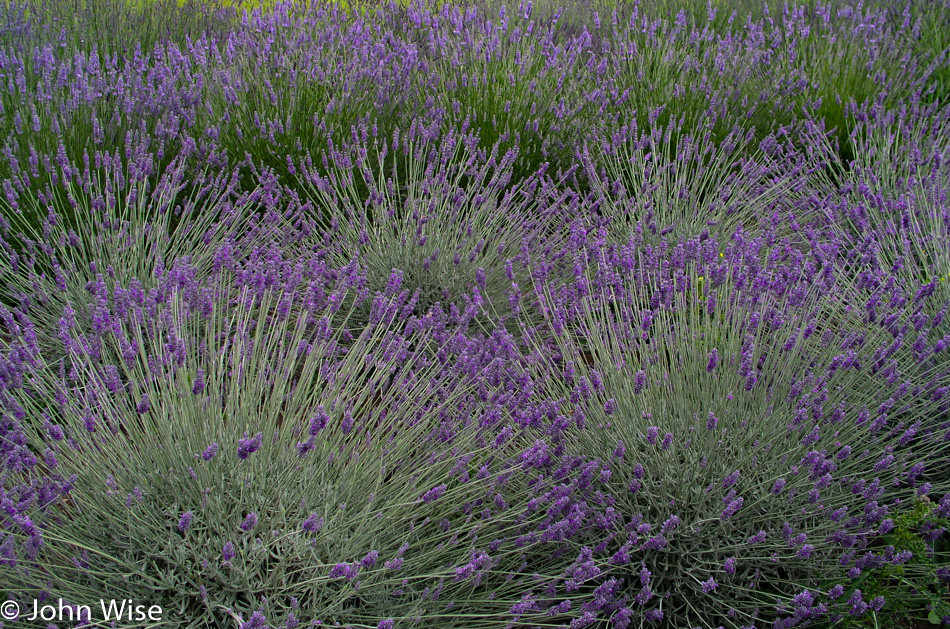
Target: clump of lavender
column 350, row 465
column 889, row 209
column 660, row 183
column 629, row 315
column 438, row 217
column 122, row 238
column 517, row 77
column 786, row 446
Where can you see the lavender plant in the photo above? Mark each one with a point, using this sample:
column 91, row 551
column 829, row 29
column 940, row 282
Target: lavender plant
column 212, row 477
column 914, row 583
column 514, row 82
column 112, row 26
column 109, row 234
column 901, row 206
column 830, row 60
column 439, row 210
column 300, row 75
column 748, row 463
column 657, row 187
column 476, row 315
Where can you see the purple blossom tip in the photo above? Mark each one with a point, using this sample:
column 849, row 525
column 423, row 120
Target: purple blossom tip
column 210, row 452
column 313, row 523
column 248, row 446
column 250, row 521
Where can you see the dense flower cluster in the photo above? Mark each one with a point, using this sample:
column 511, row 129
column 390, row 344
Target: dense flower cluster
column 477, row 316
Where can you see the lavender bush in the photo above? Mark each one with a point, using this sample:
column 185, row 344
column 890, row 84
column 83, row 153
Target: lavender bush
column 725, row 409
column 617, row 314
column 445, row 215
column 318, row 498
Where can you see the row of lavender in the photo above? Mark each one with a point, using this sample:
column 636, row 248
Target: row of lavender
column 438, row 316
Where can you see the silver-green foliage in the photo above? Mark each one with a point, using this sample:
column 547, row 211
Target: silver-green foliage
column 348, row 438
column 663, row 183
column 114, row 226
column 894, row 195
column 438, row 209
column 786, row 435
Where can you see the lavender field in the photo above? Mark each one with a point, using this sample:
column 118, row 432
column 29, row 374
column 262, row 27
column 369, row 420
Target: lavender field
column 617, row 314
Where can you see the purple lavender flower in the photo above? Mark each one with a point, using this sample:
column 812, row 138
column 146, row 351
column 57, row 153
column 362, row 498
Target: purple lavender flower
column 434, row 493
column 313, row 523
column 370, row 559
column 250, row 521
column 730, row 480
column 645, row 575
column 942, row 509
column 345, row 570
column 347, row 425
column 670, row 524
column 639, row 382
column 709, row 585
column 731, row 508
column 647, row 320
column 227, row 553
column 256, row 621
column 210, row 452
column 184, row 523
column 248, row 446
column 318, row 422
column 713, row 361
column 751, row 378
column 902, row 557
column 730, row 565
column 596, row 381
column 711, row 421
column 199, row 385
column 858, row 606
column 884, row 463
column 304, row 447
column 143, row 405
column 758, row 538
column 394, row 564
column 667, row 441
